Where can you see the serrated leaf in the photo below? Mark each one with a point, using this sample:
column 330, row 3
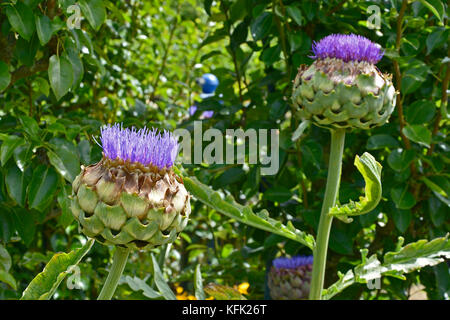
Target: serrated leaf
column 371, row 172
column 244, row 214
column 161, row 283
column 406, row 259
column 137, row 284
column 44, row 285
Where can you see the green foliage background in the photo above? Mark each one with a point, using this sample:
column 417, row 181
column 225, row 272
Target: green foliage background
column 136, row 62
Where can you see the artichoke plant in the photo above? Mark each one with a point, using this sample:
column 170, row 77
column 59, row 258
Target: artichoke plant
column 290, row 278
column 132, row 197
column 343, row 88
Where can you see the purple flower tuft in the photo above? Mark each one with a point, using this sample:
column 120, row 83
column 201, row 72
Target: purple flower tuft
column 350, row 47
column 292, row 263
column 148, row 147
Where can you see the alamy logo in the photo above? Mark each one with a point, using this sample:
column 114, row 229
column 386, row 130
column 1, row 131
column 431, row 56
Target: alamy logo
column 74, row 21
column 374, row 20
column 230, row 148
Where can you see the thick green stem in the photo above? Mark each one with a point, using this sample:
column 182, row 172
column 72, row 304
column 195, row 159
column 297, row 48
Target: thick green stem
column 323, row 232
column 119, row 262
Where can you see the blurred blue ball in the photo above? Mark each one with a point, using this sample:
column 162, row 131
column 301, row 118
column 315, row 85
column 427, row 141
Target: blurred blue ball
column 209, row 83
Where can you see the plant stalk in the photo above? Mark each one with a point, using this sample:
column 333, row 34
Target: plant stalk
column 119, row 261
column 323, row 232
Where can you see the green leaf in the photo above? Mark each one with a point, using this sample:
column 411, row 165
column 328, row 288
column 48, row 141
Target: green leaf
column 406, row 259
column 402, row 198
column 137, row 284
column 244, row 214
column 371, row 172
column 400, row 159
column 419, row 112
column 402, row 219
column 5, row 76
column 21, row 18
column 436, row 7
column 160, row 282
column 381, row 141
column 65, row 159
column 10, row 143
column 295, row 14
column 44, row 29
column 8, row 279
column 279, row 194
column 221, row 292
column 42, row 187
column 198, row 284
column 5, row 259
column 30, row 126
column 25, row 225
column 261, row 26
column 436, row 38
column 418, row 134
column 16, row 183
column 66, row 217
column 44, row 285
column 73, row 57
column 60, row 74
column 438, row 212
column 94, row 11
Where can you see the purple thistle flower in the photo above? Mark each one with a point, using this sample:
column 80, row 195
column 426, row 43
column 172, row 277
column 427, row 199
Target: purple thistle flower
column 350, row 47
column 292, row 263
column 148, row 147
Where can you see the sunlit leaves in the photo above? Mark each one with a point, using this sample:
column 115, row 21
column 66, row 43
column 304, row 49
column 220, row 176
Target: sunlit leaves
column 44, row 285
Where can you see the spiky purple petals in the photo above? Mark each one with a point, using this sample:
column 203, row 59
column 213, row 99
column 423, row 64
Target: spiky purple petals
column 292, row 263
column 350, row 47
column 145, row 146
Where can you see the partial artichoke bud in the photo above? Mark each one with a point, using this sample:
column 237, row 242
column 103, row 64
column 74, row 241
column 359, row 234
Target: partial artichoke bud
column 290, row 278
column 132, row 197
column 343, row 88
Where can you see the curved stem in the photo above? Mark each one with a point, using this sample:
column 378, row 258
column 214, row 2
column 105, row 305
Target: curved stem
column 119, row 262
column 323, row 232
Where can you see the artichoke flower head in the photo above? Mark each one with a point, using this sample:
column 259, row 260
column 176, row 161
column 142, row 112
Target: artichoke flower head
column 343, row 88
column 132, row 197
column 290, row 278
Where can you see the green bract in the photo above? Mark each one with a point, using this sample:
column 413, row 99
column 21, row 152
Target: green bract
column 290, row 284
column 130, row 205
column 337, row 94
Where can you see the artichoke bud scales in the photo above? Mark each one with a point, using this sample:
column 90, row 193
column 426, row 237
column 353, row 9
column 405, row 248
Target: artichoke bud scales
column 131, row 204
column 343, row 88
